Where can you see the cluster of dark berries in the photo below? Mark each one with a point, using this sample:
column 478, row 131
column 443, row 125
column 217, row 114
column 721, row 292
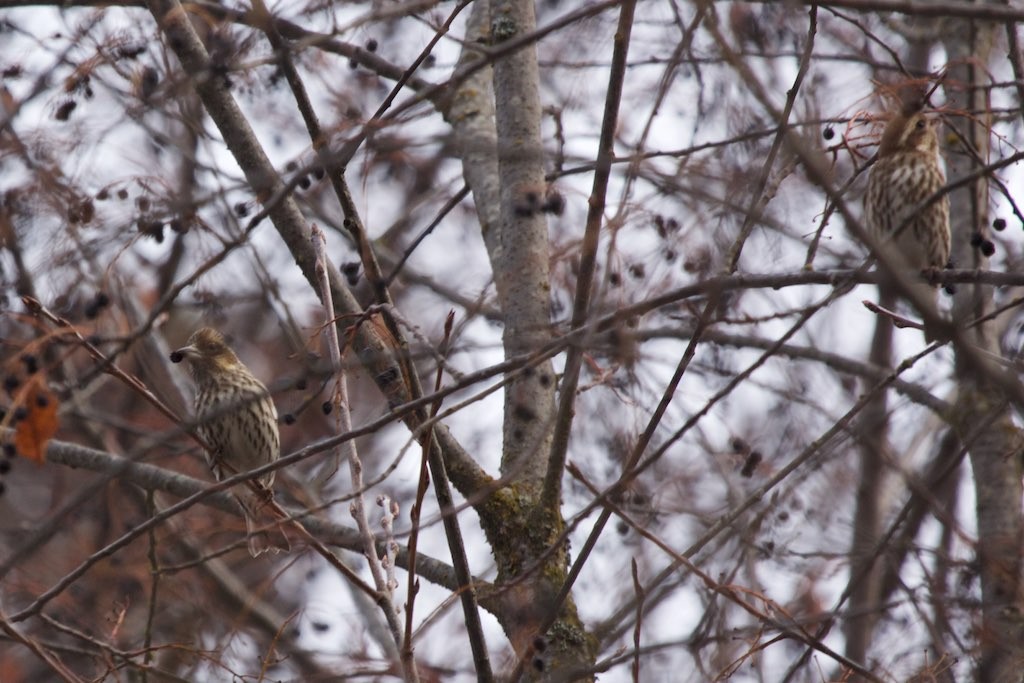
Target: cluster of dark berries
column 983, row 244
column 84, row 212
column 76, row 83
column 147, row 225
column 302, row 181
column 752, row 460
column 302, row 384
column 665, row 227
column 104, row 194
column 12, row 382
column 81, row 211
column 532, row 202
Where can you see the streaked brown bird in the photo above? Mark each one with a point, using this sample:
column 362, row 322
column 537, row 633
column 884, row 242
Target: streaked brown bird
column 238, row 421
column 908, row 172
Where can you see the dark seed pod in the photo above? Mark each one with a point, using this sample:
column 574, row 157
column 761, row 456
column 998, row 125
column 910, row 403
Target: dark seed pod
column 751, row 463
column 63, row 112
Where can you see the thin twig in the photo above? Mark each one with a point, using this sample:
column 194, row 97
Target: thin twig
column 759, row 199
column 733, row 593
column 154, row 577
column 421, row 491
column 638, row 590
column 812, row 449
column 37, row 649
column 348, row 451
column 551, row 494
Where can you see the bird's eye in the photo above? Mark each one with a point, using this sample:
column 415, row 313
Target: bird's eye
column 921, row 123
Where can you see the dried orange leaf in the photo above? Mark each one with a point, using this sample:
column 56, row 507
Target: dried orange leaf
column 32, row 433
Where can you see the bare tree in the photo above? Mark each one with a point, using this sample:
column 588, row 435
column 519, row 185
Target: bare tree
column 563, row 312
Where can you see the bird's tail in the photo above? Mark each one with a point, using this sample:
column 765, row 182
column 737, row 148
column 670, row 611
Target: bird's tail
column 265, row 528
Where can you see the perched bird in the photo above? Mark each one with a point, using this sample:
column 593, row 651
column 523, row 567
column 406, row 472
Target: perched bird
column 238, row 422
column 908, row 172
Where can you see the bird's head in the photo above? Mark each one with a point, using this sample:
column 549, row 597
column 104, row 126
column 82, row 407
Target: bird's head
column 909, row 132
column 207, row 352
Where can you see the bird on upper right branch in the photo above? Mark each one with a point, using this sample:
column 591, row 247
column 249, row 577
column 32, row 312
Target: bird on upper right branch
column 907, row 173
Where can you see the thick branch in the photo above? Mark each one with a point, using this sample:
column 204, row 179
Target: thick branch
column 523, row 238
column 180, row 485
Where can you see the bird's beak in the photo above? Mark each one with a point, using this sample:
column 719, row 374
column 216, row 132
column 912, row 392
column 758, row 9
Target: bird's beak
column 184, row 352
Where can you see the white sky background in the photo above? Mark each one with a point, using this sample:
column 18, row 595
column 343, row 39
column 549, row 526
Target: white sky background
column 454, row 254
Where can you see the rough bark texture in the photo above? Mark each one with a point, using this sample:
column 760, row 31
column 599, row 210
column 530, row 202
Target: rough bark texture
column 529, row 401
column 496, row 116
column 471, row 115
column 996, row 455
column 523, row 239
